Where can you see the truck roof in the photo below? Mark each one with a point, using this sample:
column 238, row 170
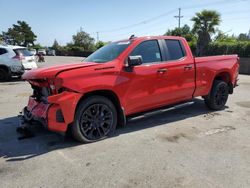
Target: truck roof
column 151, row 37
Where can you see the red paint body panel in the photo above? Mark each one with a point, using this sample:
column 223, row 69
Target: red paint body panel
column 67, row 102
column 141, row 89
column 51, row 72
column 52, row 123
column 209, row 67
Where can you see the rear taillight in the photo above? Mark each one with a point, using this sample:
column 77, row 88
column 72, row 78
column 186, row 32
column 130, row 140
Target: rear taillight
column 18, row 57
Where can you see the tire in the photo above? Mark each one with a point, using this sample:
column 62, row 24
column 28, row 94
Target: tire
column 4, row 75
column 218, row 96
column 95, row 119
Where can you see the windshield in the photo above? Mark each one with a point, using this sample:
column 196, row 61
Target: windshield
column 108, row 52
column 22, row 51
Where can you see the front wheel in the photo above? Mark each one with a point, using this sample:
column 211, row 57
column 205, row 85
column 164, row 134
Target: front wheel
column 218, row 96
column 95, row 119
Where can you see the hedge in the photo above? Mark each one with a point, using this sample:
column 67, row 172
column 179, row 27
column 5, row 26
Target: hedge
column 72, row 51
column 242, row 48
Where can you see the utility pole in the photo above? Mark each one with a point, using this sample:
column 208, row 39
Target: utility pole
column 179, row 18
column 97, row 36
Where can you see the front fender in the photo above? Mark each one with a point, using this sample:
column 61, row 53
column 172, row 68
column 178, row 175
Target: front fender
column 67, row 102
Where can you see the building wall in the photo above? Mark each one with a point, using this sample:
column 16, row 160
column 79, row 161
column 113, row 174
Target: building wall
column 245, row 65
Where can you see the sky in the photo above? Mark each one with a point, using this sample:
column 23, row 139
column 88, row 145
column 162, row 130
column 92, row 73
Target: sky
column 116, row 19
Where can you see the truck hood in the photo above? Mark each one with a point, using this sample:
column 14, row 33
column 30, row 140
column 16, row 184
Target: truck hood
column 53, row 71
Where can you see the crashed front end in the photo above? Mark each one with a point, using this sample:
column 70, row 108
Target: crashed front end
column 51, row 104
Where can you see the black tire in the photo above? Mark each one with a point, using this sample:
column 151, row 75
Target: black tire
column 4, row 75
column 218, row 96
column 95, row 119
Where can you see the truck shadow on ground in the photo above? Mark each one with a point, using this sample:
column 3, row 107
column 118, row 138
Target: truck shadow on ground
column 12, row 149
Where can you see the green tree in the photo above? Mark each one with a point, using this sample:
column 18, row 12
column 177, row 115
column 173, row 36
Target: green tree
column 243, row 37
column 55, row 45
column 83, row 39
column 223, row 37
column 205, row 23
column 99, row 44
column 21, row 34
column 37, row 46
column 183, row 31
column 1, row 38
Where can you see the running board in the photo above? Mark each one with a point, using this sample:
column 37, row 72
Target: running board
column 169, row 108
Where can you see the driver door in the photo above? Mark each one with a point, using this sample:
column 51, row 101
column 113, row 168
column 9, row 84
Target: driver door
column 146, row 80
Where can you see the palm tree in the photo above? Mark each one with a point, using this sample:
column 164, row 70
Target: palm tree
column 204, row 25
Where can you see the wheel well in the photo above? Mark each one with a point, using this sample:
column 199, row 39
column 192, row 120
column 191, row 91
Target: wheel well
column 113, row 98
column 225, row 76
column 4, row 68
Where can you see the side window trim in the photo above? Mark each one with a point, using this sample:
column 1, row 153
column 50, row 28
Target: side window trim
column 183, row 49
column 163, row 49
column 160, row 50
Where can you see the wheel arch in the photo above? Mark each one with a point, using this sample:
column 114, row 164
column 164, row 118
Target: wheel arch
column 226, row 77
column 4, row 67
column 113, row 97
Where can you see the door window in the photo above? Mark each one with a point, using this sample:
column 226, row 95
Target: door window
column 149, row 51
column 175, row 51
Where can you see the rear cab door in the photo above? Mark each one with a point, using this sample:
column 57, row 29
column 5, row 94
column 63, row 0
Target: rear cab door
column 179, row 79
column 166, row 75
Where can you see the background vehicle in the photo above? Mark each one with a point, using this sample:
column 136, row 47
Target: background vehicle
column 41, row 51
column 33, row 51
column 123, row 79
column 14, row 60
column 51, row 52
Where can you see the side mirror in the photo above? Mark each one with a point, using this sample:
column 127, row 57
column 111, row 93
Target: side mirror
column 134, row 60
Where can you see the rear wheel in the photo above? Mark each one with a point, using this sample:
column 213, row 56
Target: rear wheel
column 4, row 75
column 218, row 96
column 95, row 119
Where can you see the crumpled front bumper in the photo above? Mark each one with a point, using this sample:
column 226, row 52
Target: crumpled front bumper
column 55, row 115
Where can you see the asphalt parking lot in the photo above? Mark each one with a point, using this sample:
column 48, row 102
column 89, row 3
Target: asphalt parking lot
column 188, row 147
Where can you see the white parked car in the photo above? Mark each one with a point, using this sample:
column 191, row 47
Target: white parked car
column 14, row 61
column 41, row 51
column 51, row 52
column 33, row 51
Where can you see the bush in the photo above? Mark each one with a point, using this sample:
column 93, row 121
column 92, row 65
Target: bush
column 242, row 48
column 72, row 51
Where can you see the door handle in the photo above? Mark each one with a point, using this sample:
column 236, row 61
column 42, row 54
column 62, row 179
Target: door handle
column 188, row 67
column 162, row 70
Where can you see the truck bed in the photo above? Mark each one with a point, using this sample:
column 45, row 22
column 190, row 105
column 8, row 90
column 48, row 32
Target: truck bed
column 208, row 67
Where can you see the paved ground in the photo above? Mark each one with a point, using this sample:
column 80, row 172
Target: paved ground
column 55, row 60
column 189, row 147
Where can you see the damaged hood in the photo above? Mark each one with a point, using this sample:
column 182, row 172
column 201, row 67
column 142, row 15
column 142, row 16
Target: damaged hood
column 53, row 71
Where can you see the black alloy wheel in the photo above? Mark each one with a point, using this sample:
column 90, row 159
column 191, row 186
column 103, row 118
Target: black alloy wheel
column 218, row 96
column 95, row 119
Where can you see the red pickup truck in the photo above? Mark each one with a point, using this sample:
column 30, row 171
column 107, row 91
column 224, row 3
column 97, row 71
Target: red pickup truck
column 125, row 78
